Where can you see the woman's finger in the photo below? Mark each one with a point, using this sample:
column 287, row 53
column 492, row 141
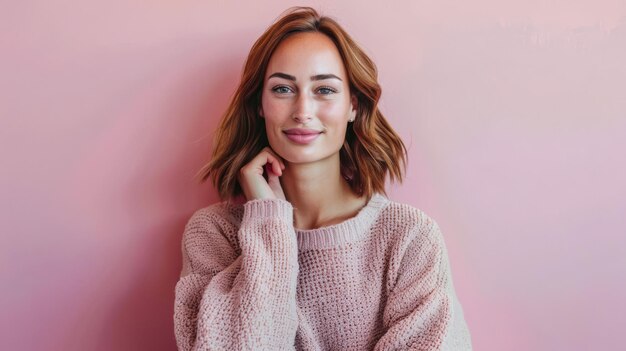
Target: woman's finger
column 253, row 179
column 275, row 155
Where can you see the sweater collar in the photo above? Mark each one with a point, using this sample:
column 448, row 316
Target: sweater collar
column 350, row 230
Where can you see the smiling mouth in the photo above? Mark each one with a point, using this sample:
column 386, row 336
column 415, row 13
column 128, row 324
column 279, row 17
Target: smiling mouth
column 302, row 131
column 302, row 138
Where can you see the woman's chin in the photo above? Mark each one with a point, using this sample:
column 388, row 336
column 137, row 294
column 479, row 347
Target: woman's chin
column 299, row 160
column 307, row 159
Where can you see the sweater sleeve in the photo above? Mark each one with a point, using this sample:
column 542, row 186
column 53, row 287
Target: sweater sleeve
column 422, row 311
column 231, row 300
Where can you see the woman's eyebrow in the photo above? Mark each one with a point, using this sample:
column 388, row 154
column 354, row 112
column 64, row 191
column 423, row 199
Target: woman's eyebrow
column 292, row 78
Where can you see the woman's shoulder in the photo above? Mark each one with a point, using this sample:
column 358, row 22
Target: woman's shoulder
column 406, row 214
column 221, row 218
column 408, row 223
column 221, row 211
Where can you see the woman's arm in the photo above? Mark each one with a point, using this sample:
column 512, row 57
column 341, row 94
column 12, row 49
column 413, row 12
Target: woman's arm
column 230, row 301
column 422, row 311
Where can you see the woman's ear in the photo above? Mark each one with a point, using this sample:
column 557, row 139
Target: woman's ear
column 261, row 111
column 354, row 104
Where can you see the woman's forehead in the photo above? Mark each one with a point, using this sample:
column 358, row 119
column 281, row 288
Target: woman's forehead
column 304, row 55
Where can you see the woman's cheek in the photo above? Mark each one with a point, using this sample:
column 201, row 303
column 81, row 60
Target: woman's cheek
column 335, row 110
column 272, row 110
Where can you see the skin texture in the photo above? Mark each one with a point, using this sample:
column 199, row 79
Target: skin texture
column 308, row 176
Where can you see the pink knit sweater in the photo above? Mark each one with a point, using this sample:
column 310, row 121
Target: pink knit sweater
column 378, row 281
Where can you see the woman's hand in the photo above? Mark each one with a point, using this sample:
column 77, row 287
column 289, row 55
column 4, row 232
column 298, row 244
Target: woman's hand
column 251, row 178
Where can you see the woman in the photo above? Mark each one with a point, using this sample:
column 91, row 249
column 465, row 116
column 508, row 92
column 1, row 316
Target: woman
column 314, row 256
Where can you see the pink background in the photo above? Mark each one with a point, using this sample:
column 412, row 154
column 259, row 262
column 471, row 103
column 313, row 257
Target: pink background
column 513, row 111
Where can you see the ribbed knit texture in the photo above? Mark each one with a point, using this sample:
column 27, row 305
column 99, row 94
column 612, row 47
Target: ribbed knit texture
column 378, row 281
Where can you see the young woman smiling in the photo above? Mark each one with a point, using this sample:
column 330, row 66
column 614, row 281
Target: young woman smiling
column 306, row 252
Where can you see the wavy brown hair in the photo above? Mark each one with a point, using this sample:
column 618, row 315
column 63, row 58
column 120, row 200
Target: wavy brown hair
column 371, row 150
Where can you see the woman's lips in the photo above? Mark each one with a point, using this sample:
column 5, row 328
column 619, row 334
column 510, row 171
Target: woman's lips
column 302, row 138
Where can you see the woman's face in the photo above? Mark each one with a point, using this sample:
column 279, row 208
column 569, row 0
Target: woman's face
column 305, row 87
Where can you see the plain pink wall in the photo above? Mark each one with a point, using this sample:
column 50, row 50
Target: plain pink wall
column 514, row 113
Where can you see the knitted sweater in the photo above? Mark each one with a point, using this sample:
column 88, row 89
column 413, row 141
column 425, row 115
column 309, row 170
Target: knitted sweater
column 378, row 281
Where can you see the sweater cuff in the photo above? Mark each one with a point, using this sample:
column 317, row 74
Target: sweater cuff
column 268, row 208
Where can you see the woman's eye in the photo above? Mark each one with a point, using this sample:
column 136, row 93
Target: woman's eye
column 281, row 89
column 326, row 90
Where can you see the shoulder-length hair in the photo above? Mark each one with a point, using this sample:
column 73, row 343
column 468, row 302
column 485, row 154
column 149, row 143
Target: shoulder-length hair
column 371, row 150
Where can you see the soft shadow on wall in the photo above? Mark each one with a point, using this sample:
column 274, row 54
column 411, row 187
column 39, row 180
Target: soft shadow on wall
column 153, row 186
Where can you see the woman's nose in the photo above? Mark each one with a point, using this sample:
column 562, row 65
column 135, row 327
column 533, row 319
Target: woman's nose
column 303, row 112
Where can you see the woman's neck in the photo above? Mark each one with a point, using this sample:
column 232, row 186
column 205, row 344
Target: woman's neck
column 319, row 194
